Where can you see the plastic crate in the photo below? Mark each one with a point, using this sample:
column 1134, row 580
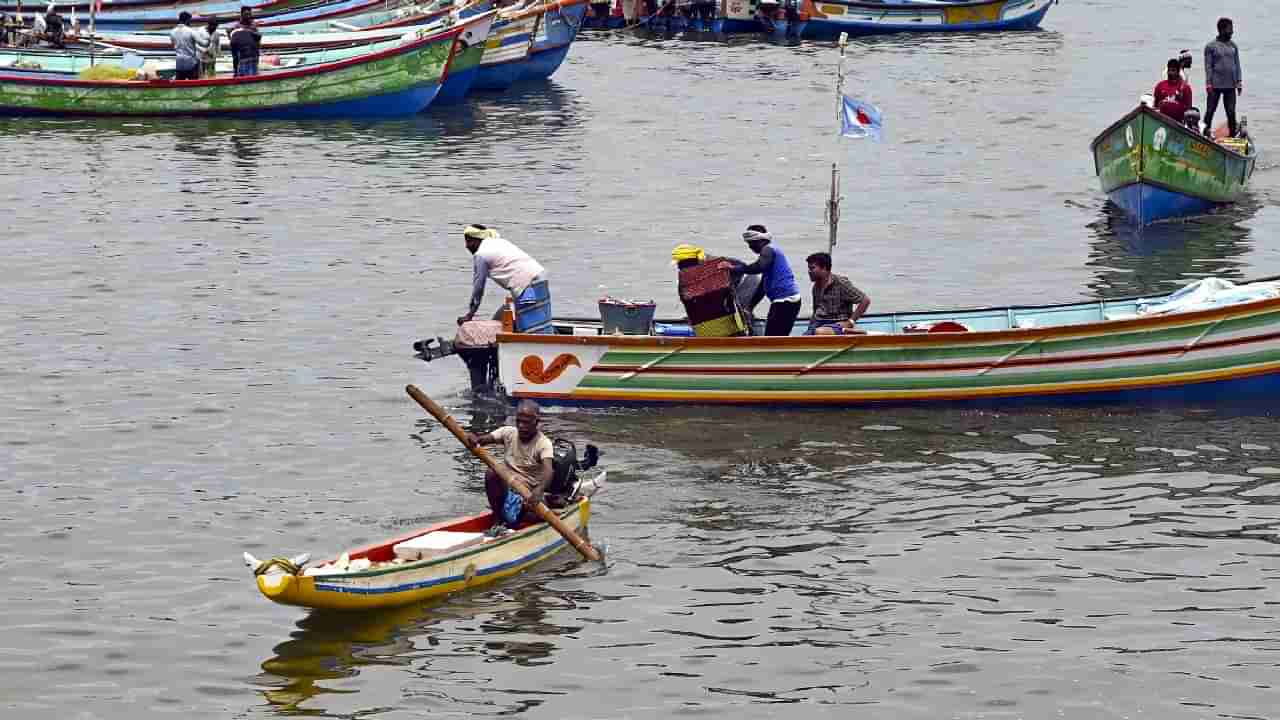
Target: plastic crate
column 627, row 318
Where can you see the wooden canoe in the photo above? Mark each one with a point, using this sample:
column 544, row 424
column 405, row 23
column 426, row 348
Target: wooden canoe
column 388, row 585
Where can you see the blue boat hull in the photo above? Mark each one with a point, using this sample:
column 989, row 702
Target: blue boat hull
column 456, row 86
column 823, row 29
column 498, row 77
column 549, row 51
column 1146, row 203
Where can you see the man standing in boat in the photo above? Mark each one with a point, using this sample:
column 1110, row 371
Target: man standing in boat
column 512, row 269
column 246, row 42
column 837, row 304
column 778, row 282
column 184, row 48
column 1222, row 76
column 529, row 453
column 1173, row 94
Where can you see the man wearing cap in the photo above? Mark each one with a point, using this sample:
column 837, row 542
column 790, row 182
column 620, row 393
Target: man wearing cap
column 1173, row 94
column 497, row 258
column 779, row 283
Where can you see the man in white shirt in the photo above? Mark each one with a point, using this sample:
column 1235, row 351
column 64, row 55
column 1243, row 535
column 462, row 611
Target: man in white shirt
column 184, row 48
column 500, row 260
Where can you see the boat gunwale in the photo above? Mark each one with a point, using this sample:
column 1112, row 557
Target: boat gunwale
column 1168, row 122
column 912, row 5
column 1102, row 327
column 522, row 533
column 547, row 7
column 320, row 69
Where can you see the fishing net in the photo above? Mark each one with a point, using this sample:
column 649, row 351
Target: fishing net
column 107, row 72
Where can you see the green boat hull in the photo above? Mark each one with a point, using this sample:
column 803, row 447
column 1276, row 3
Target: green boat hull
column 394, row 82
column 1156, row 169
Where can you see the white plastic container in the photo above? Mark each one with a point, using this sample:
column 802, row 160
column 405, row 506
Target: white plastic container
column 435, row 543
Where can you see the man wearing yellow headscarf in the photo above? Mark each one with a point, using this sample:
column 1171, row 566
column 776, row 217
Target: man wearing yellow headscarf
column 513, row 270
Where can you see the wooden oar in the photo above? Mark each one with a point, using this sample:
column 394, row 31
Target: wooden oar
column 503, row 472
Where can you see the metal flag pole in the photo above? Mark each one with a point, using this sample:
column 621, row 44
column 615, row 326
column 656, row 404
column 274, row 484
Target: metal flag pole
column 833, row 202
column 93, row 32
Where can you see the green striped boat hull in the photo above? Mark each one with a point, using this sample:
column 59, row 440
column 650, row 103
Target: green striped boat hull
column 1187, row 356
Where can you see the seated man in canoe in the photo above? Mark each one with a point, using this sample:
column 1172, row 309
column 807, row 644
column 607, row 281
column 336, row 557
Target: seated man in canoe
column 837, row 304
column 526, row 451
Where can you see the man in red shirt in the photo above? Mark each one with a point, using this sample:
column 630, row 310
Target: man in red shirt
column 1173, row 95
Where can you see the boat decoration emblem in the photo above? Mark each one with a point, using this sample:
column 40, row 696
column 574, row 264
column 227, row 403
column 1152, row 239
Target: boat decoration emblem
column 533, row 371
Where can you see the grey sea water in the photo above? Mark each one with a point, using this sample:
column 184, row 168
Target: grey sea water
column 207, row 326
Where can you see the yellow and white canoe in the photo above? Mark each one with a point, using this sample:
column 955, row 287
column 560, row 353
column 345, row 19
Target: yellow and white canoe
column 378, row 577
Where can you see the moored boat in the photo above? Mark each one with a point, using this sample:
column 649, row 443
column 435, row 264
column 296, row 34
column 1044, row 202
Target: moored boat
column 829, row 18
column 395, row 81
column 1154, row 168
column 558, row 26
column 454, row 555
column 1079, row 352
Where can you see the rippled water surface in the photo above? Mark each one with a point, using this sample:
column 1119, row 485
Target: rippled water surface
column 207, row 335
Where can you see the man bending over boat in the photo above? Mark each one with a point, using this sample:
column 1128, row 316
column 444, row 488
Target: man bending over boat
column 510, row 267
column 837, row 304
column 526, row 451
column 779, row 283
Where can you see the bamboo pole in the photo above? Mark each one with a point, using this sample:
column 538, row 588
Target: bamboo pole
column 503, row 472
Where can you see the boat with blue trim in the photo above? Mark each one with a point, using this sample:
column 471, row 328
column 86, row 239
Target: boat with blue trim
column 529, row 43
column 444, row 558
column 828, row 18
column 1210, row 342
column 1155, row 168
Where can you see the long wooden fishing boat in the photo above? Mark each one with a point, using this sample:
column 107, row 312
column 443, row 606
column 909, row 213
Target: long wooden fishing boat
column 379, row 576
column 396, row 81
column 829, row 18
column 347, row 30
column 1155, row 168
column 1079, row 352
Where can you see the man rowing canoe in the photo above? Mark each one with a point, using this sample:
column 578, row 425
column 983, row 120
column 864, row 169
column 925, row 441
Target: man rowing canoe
column 526, row 451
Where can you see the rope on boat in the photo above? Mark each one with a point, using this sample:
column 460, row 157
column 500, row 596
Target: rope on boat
column 283, row 563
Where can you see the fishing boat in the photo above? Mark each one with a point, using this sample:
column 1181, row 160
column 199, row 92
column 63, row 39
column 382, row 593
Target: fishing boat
column 558, row 25
column 387, row 82
column 746, row 16
column 1127, row 350
column 529, row 43
column 452, row 556
column 347, row 30
column 1155, row 168
column 828, row 18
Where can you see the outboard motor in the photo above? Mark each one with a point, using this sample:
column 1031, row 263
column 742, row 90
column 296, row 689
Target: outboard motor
column 565, row 466
column 477, row 344
column 1191, row 118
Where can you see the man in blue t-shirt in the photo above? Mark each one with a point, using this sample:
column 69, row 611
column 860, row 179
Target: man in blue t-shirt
column 778, row 283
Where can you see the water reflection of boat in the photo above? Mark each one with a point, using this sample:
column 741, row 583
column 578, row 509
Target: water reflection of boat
column 332, row 645
column 1128, row 259
column 1154, row 168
